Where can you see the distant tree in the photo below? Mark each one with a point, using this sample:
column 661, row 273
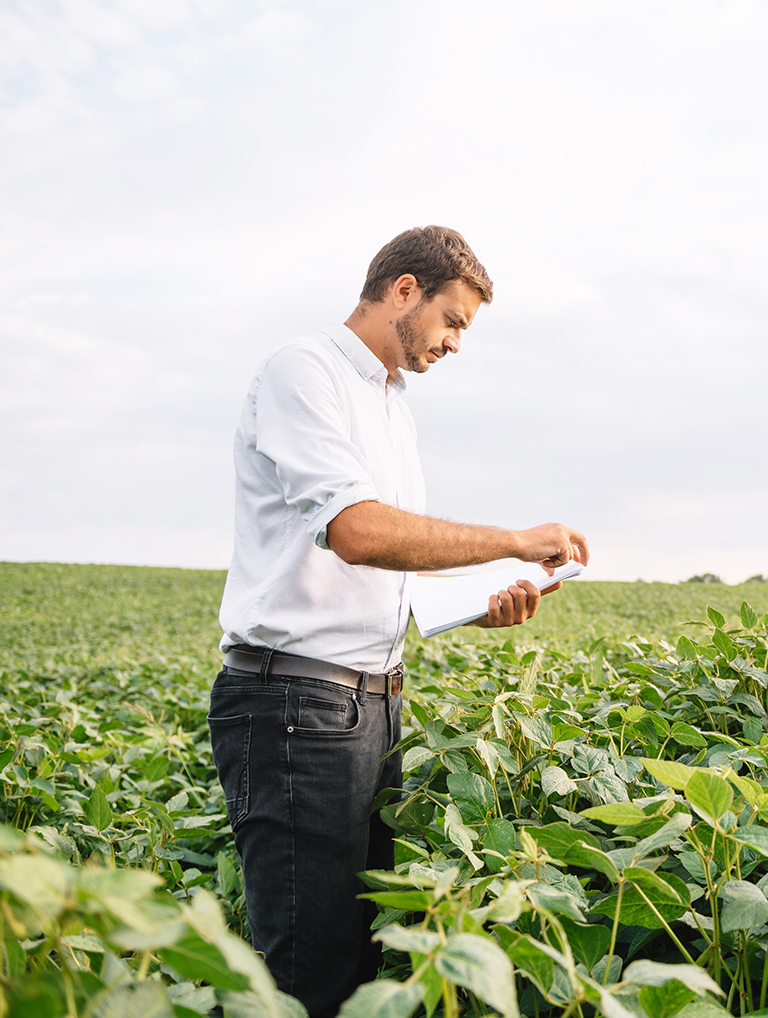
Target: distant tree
column 757, row 578
column 704, row 578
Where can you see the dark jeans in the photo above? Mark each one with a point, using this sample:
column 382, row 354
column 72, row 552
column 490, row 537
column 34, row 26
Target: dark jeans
column 300, row 764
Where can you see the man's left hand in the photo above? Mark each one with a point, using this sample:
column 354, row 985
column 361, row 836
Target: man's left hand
column 513, row 606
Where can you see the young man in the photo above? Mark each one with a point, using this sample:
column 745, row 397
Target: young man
column 328, row 523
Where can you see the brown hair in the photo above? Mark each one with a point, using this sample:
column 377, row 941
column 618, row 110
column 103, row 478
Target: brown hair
column 435, row 255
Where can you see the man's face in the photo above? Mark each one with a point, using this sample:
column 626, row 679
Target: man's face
column 433, row 327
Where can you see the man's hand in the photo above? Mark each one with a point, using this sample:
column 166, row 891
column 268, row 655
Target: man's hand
column 552, row 544
column 513, row 606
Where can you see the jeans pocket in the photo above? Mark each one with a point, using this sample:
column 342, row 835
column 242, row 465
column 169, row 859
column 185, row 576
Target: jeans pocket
column 327, row 715
column 231, row 745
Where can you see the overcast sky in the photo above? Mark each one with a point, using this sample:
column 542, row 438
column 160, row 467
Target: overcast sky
column 186, row 184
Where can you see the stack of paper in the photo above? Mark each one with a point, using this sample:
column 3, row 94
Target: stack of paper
column 441, row 602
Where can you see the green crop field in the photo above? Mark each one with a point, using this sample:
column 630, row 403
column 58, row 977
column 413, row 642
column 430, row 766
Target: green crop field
column 583, row 827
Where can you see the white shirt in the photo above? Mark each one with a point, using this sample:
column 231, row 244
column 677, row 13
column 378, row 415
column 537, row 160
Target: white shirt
column 321, row 430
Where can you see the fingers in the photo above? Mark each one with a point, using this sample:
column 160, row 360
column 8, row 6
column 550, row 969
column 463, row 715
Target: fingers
column 553, row 588
column 513, row 606
column 580, row 547
column 570, row 544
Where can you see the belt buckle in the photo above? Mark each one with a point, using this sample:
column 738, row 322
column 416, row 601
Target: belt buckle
column 394, row 673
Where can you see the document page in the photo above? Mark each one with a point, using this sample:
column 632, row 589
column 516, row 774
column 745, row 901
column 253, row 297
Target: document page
column 442, row 601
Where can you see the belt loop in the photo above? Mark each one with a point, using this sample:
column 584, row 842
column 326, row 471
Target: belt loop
column 389, row 685
column 266, row 660
column 363, row 686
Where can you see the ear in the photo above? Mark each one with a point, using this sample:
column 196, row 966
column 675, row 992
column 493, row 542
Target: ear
column 405, row 291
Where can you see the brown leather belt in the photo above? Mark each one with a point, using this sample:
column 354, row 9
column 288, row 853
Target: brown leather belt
column 249, row 659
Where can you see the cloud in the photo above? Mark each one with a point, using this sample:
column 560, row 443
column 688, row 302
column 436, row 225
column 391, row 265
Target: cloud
column 188, row 184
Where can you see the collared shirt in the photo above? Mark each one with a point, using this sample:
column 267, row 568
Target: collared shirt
column 322, row 429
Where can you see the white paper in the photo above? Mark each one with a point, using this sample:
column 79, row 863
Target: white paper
column 441, row 602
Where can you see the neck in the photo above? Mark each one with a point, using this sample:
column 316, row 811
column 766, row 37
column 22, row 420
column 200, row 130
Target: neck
column 370, row 323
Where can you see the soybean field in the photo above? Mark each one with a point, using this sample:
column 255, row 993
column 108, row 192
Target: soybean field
column 583, row 827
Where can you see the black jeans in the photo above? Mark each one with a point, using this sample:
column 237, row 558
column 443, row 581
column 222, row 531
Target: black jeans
column 300, row 762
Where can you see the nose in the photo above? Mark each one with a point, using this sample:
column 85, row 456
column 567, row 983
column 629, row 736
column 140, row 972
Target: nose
column 452, row 342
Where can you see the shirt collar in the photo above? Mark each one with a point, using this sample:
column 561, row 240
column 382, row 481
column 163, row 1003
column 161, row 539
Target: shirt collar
column 362, row 359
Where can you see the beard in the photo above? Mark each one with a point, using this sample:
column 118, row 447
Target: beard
column 413, row 341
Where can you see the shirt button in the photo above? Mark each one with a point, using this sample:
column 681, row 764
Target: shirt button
column 290, row 728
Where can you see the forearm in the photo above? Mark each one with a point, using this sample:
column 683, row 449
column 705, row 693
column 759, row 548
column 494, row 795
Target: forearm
column 375, row 534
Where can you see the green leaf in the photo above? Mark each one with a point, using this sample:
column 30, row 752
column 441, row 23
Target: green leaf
column 724, row 644
column 686, row 649
column 500, row 836
column 620, row 814
column 182, row 1011
column 526, row 955
column 489, row 755
column 419, row 713
column 686, row 735
column 555, row 781
column 554, row 899
column 411, row 901
column 506, row 908
column 670, row 898
column 752, row 729
column 11, row 840
column 665, row 835
column 715, row 617
column 608, row 787
column 473, row 795
column 559, row 837
column 97, row 809
column 498, row 720
column 656, row 973
column 226, row 875
column 694, row 864
column 195, row 958
column 676, row 775
column 652, row 883
column 536, row 729
column 745, row 906
column 750, row 789
column 755, row 837
column 588, row 943
column 37, row 880
column 480, row 965
column 710, row 795
column 249, row 1004
column 137, row 1000
column 748, row 615
column 416, row 756
column 594, row 859
column 703, row 1008
column 403, row 938
column 384, row 998
column 664, row 1001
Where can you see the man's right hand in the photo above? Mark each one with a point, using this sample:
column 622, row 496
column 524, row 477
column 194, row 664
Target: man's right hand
column 552, row 544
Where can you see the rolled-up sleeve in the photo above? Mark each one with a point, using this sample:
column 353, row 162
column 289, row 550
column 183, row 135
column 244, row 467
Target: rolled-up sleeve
column 302, row 427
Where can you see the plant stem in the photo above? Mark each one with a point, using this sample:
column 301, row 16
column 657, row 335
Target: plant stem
column 745, row 968
column 680, row 946
column 614, row 931
column 764, row 987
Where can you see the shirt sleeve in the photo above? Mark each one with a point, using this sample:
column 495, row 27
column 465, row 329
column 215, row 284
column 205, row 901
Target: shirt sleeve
column 302, row 426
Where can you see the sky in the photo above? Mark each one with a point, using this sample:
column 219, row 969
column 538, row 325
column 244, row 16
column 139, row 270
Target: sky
column 185, row 185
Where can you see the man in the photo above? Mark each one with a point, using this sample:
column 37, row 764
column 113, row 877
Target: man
column 329, row 521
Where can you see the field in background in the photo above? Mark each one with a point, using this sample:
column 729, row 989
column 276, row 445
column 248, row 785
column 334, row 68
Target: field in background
column 86, row 617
